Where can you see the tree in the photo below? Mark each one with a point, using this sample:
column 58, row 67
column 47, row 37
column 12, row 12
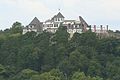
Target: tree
column 61, row 36
column 94, row 68
column 16, row 28
column 82, row 76
column 2, row 69
column 54, row 74
column 74, row 42
column 79, row 76
column 89, row 39
column 113, row 69
column 56, row 56
column 25, row 74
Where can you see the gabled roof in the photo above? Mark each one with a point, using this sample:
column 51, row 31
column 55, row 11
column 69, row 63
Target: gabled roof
column 37, row 24
column 59, row 15
column 83, row 21
column 35, row 21
column 69, row 20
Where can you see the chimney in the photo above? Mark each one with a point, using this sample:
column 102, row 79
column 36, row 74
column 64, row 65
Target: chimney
column 90, row 27
column 107, row 27
column 94, row 28
column 101, row 26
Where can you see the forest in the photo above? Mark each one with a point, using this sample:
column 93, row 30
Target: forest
column 49, row 56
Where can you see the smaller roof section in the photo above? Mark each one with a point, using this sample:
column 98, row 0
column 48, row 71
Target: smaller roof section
column 49, row 20
column 69, row 20
column 83, row 21
column 59, row 15
column 35, row 21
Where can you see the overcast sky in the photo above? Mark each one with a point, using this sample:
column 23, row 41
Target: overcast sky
column 99, row 12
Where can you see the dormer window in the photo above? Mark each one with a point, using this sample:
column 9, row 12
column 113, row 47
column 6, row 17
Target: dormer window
column 30, row 26
column 58, row 19
column 55, row 19
column 27, row 27
column 61, row 19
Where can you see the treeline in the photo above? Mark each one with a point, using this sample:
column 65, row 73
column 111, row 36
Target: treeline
column 48, row 56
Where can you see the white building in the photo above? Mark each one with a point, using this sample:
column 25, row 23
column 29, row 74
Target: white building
column 51, row 25
column 35, row 26
column 73, row 26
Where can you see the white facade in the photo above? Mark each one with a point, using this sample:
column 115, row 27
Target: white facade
column 99, row 29
column 72, row 27
column 54, row 23
column 29, row 28
column 51, row 26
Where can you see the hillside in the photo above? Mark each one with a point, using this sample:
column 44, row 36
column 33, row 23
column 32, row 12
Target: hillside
column 50, row 56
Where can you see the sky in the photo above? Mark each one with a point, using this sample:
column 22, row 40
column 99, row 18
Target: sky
column 95, row 12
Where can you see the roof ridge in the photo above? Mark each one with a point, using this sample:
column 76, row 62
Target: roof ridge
column 35, row 21
column 59, row 15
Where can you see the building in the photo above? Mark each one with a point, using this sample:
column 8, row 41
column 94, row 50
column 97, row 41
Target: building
column 73, row 26
column 51, row 25
column 35, row 26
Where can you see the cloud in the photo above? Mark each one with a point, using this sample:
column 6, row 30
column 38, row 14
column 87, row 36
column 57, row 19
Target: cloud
column 112, row 8
column 29, row 7
column 21, row 10
column 94, row 11
column 33, row 6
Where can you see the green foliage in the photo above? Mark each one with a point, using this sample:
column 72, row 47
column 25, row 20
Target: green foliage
column 51, row 75
column 61, row 36
column 16, row 28
column 82, row 76
column 2, row 69
column 89, row 38
column 79, row 76
column 48, row 56
column 25, row 74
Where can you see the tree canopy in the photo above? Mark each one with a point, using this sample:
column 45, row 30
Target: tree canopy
column 49, row 56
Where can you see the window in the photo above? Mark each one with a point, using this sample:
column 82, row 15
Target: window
column 55, row 25
column 51, row 25
column 27, row 27
column 55, row 19
column 77, row 26
column 58, row 19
